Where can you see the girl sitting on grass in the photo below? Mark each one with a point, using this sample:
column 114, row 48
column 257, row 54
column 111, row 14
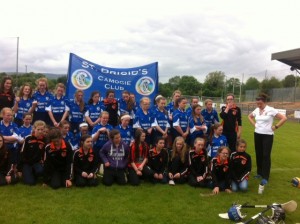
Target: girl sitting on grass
column 240, row 166
column 220, row 171
column 179, row 163
column 85, row 163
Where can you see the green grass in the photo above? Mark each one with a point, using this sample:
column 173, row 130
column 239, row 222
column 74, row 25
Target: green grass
column 157, row 203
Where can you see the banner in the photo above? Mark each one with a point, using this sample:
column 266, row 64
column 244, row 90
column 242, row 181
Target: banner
column 88, row 76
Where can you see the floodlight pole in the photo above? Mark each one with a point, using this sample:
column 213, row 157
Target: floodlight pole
column 17, row 65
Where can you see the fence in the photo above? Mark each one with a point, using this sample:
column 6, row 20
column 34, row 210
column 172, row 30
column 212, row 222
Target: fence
column 291, row 94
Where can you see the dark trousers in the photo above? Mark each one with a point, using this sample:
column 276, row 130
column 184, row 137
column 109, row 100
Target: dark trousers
column 194, row 183
column 175, row 168
column 43, row 116
column 231, row 140
column 263, row 147
column 82, row 182
column 32, row 172
column 57, row 180
column 135, row 180
column 112, row 175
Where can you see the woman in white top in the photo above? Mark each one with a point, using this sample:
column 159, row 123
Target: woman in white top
column 262, row 119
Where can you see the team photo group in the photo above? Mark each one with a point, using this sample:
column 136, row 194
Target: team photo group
column 49, row 139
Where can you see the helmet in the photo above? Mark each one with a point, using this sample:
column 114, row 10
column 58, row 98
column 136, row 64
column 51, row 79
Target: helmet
column 278, row 214
column 234, row 213
column 264, row 220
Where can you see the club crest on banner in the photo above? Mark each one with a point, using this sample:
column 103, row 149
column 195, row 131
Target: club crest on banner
column 81, row 79
column 145, row 86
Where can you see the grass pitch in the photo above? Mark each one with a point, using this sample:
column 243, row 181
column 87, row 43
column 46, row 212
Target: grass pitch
column 150, row 203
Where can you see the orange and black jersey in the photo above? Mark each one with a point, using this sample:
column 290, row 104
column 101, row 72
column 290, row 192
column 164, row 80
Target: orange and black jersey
column 6, row 100
column 32, row 151
column 158, row 161
column 198, row 163
column 58, row 160
column 220, row 172
column 240, row 165
column 143, row 153
column 232, row 119
column 84, row 162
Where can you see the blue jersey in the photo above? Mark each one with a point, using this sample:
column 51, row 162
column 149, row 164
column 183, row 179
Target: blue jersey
column 142, row 120
column 57, row 106
column 193, row 132
column 103, row 137
column 25, row 131
column 77, row 138
column 23, row 107
column 189, row 112
column 123, row 107
column 94, row 110
column 180, row 118
column 215, row 144
column 75, row 115
column 170, row 108
column 210, row 118
column 71, row 139
column 42, row 100
column 126, row 134
column 10, row 130
column 161, row 119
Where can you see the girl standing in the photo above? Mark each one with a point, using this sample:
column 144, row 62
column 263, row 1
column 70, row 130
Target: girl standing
column 220, row 171
column 41, row 98
column 179, row 163
column 32, row 154
column 198, row 164
column 210, row 115
column 85, row 164
column 77, row 109
column 111, row 106
column 240, row 166
column 7, row 95
column 197, row 124
column 143, row 119
column 160, row 119
column 23, row 104
column 57, row 108
column 94, row 109
column 138, row 158
column 180, row 119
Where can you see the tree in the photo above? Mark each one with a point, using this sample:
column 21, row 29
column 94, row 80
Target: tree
column 189, row 85
column 252, row 84
column 174, row 82
column 288, row 81
column 214, row 84
column 165, row 89
column 268, row 84
column 62, row 79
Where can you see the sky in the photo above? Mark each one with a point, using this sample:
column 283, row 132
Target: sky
column 185, row 37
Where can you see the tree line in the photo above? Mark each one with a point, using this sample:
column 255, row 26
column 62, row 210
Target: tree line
column 216, row 84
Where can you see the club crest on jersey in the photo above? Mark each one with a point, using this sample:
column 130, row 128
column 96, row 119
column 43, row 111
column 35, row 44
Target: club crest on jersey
column 62, row 103
column 41, row 146
column 203, row 159
column 27, row 104
column 98, row 108
column 243, row 161
column 47, row 98
column 234, row 112
column 91, row 158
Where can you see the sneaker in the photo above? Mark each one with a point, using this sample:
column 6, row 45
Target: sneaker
column 261, row 189
column 171, row 182
column 263, row 182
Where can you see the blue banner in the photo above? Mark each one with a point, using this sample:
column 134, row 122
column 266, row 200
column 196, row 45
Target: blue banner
column 89, row 77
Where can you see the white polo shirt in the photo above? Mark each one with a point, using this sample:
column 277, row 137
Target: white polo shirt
column 264, row 120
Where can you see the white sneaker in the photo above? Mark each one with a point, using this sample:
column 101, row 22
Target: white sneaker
column 261, row 189
column 171, row 182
